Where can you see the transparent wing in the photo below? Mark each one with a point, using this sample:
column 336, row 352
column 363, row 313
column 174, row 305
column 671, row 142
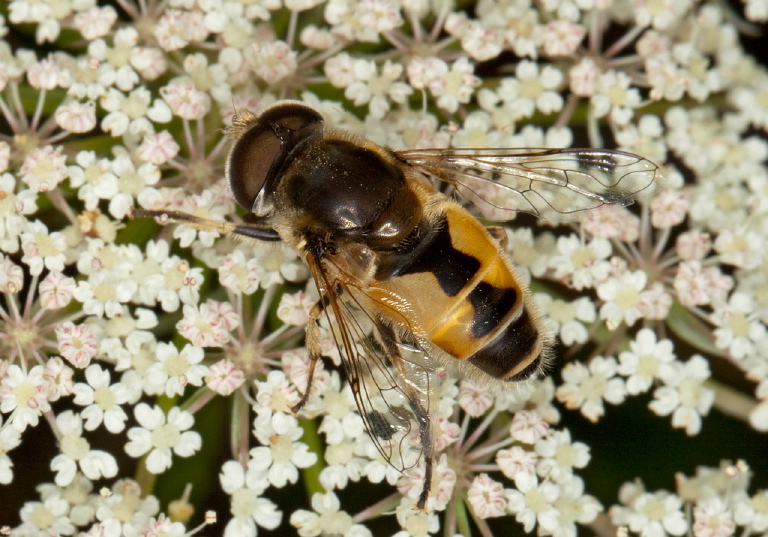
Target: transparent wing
column 389, row 380
column 549, row 183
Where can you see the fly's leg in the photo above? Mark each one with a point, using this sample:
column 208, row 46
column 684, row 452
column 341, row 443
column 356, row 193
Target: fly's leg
column 499, row 235
column 313, row 346
column 248, row 230
column 386, row 337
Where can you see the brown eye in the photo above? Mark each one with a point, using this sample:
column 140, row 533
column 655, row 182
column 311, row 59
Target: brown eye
column 263, row 146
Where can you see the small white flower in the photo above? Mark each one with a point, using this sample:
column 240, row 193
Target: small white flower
column 585, row 387
column 104, row 293
column 693, row 245
column 163, row 527
column 114, row 67
column 134, row 113
column 59, row 378
column 612, row 222
column 273, row 61
column 9, row 440
column 616, row 96
column 294, row 308
column 455, row 86
column 166, row 279
column 740, row 246
column 660, row 15
column 532, row 89
column 584, row 79
column 101, row 400
column 184, row 99
column 95, row 21
column 175, row 29
column 377, row 89
column 209, row 325
column 51, row 516
column 76, row 117
column 528, row 427
column 276, row 393
column 684, row 395
column 76, row 452
column 157, row 148
column 623, row 296
column 208, row 205
column 160, row 436
column 567, row 318
column 340, row 418
column 583, row 264
column 480, row 42
column 532, row 503
column 646, row 361
column 474, row 398
column 14, row 206
column 43, row 249
column 76, row 344
column 248, row 505
column 414, row 522
column 517, row 463
column 653, row 515
column 93, row 178
column 224, row 378
column 175, row 369
column 573, row 506
column 282, row 457
column 340, row 70
column 739, row 330
column 125, row 507
column 327, row 519
column 133, row 182
column 713, row 518
column 24, row 396
column 696, row 285
column 486, row 497
column 239, row 273
column 753, row 512
column 559, row 456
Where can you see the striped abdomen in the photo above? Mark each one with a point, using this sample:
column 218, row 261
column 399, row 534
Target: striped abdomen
column 464, row 296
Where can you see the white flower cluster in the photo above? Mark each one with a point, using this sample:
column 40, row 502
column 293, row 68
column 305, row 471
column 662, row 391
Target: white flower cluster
column 118, row 335
column 714, row 503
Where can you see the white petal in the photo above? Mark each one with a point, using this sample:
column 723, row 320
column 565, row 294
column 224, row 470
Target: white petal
column 159, row 460
column 98, row 464
column 66, row 469
column 188, row 444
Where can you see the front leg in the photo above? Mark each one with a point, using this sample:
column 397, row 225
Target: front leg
column 313, row 346
column 246, row 230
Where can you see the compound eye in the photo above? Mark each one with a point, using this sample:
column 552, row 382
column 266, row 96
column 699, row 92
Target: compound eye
column 286, row 118
column 249, row 163
column 262, row 146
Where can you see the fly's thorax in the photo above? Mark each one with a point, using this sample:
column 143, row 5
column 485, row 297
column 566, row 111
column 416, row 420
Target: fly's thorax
column 343, row 190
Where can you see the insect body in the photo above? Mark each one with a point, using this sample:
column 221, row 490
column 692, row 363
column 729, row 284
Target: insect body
column 411, row 280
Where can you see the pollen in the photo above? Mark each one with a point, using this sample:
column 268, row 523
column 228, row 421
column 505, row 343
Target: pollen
column 104, row 293
column 739, row 324
column 45, row 245
column 176, row 366
column 166, row 436
column 627, row 298
column 74, row 446
column 24, row 393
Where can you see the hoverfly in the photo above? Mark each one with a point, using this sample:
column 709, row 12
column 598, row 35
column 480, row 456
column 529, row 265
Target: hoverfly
column 410, row 280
